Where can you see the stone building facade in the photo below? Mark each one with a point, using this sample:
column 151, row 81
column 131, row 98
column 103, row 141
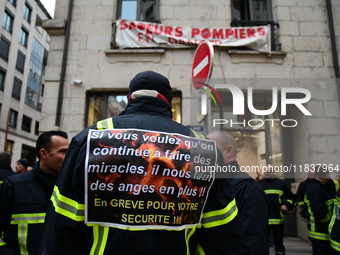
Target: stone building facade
column 89, row 80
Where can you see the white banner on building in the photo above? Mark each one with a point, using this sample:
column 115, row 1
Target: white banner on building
column 138, row 34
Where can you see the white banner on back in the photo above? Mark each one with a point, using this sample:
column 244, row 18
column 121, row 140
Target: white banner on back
column 138, row 34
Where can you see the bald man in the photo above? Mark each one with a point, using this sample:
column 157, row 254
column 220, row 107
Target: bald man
column 250, row 198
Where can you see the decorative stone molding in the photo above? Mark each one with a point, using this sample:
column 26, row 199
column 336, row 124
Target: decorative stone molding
column 54, row 26
column 251, row 56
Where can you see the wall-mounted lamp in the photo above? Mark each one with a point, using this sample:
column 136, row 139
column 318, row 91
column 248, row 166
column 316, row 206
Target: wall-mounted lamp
column 77, row 82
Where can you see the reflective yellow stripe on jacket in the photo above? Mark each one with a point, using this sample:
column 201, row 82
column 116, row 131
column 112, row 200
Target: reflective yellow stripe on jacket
column 336, row 183
column 220, row 217
column 335, row 245
column 279, row 193
column 199, row 250
column 312, row 227
column 100, row 235
column 105, row 124
column 318, row 235
column 23, row 220
column 67, row 207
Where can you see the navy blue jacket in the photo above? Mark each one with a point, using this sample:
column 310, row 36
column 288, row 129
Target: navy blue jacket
column 278, row 194
column 68, row 234
column 23, row 203
column 318, row 202
column 5, row 171
column 253, row 210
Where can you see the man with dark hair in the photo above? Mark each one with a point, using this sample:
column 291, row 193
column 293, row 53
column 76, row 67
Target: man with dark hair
column 126, row 186
column 250, row 198
column 21, row 166
column 5, row 165
column 24, row 197
column 318, row 201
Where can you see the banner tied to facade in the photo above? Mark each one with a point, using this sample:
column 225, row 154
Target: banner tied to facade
column 146, row 180
column 138, row 34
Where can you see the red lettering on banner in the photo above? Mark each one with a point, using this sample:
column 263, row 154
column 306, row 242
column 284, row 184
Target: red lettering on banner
column 172, row 40
column 217, row 33
column 123, row 25
column 132, row 26
column 206, row 33
column 168, row 30
column 145, row 38
column 147, row 32
column 242, row 33
column 229, row 32
column 236, row 33
column 149, row 28
column 251, row 32
column 141, row 26
column 194, row 32
column 178, row 31
column 261, row 31
column 158, row 29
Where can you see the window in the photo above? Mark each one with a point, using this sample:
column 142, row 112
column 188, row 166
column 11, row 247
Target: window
column 145, row 10
column 13, row 2
column 27, row 12
column 10, row 146
column 16, row 88
column 23, row 36
column 35, row 75
column 255, row 13
column 13, row 118
column 20, row 62
column 2, row 78
column 101, row 106
column 7, row 22
column 36, row 129
column 4, row 48
column 252, row 10
column 26, row 123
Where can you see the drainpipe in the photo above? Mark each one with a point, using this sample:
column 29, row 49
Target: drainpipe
column 334, row 48
column 63, row 64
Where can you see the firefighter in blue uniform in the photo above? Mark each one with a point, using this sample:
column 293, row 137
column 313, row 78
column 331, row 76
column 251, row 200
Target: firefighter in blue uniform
column 148, row 108
column 250, row 198
column 319, row 198
column 280, row 201
column 24, row 198
column 334, row 226
column 300, row 193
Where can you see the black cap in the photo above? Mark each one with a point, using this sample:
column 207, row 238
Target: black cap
column 23, row 162
column 150, row 80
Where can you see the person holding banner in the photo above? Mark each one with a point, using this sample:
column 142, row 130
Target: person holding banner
column 127, row 185
column 250, row 198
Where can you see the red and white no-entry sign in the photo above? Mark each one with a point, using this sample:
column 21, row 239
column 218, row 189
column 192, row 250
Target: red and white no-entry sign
column 202, row 64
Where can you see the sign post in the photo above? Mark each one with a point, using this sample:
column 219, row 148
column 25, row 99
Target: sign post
column 202, row 64
column 201, row 71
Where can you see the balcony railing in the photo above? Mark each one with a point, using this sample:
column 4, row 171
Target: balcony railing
column 274, row 27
